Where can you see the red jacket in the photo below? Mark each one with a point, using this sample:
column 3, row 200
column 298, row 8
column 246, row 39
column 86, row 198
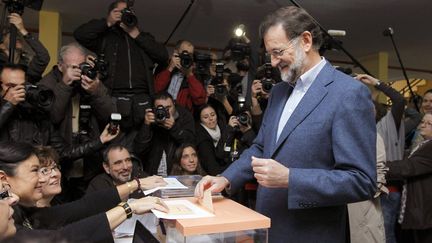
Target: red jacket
column 194, row 94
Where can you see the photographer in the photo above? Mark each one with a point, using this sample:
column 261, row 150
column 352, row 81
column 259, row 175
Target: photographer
column 179, row 79
column 130, row 54
column 165, row 127
column 23, row 121
column 81, row 107
column 36, row 66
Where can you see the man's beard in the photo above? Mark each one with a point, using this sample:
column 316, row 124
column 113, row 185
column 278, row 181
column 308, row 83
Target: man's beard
column 294, row 70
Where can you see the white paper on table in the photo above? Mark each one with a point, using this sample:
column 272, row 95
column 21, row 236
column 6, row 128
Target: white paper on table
column 182, row 209
column 172, row 183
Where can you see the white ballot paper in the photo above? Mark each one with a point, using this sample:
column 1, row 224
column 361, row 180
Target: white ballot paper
column 182, row 209
column 172, row 183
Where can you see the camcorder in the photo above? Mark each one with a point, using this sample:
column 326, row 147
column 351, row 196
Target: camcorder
column 100, row 66
column 161, row 113
column 128, row 17
column 186, row 59
column 39, row 96
column 114, row 123
column 217, row 82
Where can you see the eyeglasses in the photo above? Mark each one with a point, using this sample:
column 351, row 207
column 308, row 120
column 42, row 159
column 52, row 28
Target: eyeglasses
column 5, row 193
column 46, row 171
column 427, row 123
column 278, row 53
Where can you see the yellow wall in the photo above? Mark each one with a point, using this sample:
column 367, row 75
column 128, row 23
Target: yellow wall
column 50, row 34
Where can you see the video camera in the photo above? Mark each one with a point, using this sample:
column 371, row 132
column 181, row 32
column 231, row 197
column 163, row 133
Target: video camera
column 161, row 113
column 128, row 17
column 186, row 59
column 39, row 96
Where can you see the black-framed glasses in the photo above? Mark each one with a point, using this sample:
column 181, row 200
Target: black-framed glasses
column 46, row 171
column 5, row 193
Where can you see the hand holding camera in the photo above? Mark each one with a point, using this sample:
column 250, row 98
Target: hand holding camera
column 71, row 73
column 113, row 17
column 159, row 115
column 16, row 20
column 174, row 62
column 106, row 136
column 15, row 95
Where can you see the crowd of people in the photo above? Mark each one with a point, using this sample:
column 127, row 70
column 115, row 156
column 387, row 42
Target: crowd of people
column 118, row 113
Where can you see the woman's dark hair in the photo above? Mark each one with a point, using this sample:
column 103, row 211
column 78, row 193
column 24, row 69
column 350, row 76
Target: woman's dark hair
column 11, row 154
column 46, row 155
column 198, row 111
column 177, row 169
column 294, row 21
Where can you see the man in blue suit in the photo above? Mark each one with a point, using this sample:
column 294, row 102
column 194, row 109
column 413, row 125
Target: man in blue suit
column 315, row 151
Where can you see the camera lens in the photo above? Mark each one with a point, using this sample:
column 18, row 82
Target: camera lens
column 243, row 118
column 161, row 113
column 88, row 70
column 128, row 18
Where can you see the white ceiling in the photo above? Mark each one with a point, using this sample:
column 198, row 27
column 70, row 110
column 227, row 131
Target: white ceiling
column 210, row 23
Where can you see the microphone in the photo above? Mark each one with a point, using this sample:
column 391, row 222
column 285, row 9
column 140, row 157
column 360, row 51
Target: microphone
column 388, row 32
column 336, row 33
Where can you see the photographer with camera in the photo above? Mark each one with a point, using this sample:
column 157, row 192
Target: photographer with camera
column 35, row 65
column 166, row 126
column 81, row 108
column 130, row 54
column 25, row 119
column 178, row 78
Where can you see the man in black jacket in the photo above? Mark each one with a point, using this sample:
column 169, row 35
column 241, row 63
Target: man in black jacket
column 130, row 54
column 81, row 107
column 165, row 128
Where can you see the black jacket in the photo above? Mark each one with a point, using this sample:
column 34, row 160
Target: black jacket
column 20, row 125
column 78, row 221
column 417, row 171
column 99, row 38
column 152, row 140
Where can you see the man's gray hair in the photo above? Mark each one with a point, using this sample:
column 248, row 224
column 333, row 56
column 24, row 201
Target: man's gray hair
column 66, row 48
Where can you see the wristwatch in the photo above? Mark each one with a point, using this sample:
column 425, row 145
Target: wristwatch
column 126, row 208
column 377, row 83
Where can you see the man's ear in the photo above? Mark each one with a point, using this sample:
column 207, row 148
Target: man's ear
column 3, row 176
column 106, row 167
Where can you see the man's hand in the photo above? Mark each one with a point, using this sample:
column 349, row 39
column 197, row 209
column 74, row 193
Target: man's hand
column 105, row 136
column 174, row 62
column 71, row 74
column 270, row 173
column 213, row 183
column 149, row 117
column 256, row 88
column 367, row 79
column 169, row 122
column 132, row 31
column 233, row 122
column 152, row 182
column 113, row 17
column 90, row 85
column 210, row 90
column 16, row 20
column 15, row 95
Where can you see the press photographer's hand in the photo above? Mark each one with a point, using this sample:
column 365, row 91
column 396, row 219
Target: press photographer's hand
column 15, row 95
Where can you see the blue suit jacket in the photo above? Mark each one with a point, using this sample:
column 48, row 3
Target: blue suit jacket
column 329, row 146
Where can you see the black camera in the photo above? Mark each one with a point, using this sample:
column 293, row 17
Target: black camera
column 17, row 6
column 88, row 70
column 114, row 123
column 239, row 50
column 186, row 59
column 161, row 113
column 128, row 17
column 267, row 81
column 202, row 63
column 243, row 116
column 84, row 119
column 39, row 96
column 217, row 82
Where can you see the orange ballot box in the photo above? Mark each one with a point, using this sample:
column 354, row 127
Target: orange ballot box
column 232, row 222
